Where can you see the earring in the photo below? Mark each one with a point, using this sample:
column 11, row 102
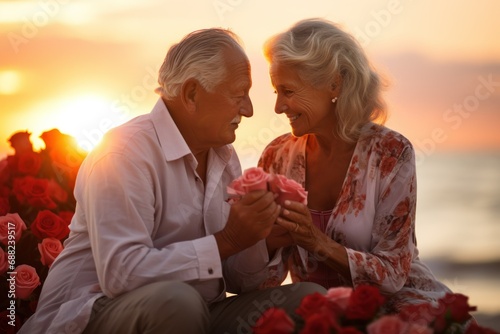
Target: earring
column 334, row 99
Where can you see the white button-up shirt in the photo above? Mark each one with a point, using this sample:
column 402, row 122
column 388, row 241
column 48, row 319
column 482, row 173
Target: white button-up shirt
column 144, row 215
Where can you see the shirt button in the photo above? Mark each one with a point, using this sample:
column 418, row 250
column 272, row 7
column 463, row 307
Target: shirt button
column 210, row 271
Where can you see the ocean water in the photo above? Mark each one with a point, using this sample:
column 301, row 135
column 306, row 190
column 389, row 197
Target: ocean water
column 458, row 225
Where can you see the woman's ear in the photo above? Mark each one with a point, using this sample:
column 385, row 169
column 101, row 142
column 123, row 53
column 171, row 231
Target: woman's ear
column 336, row 86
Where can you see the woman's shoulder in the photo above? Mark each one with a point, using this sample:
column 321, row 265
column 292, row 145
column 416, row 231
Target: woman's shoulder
column 281, row 149
column 384, row 139
column 281, row 140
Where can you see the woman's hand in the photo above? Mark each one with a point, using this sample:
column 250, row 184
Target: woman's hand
column 296, row 218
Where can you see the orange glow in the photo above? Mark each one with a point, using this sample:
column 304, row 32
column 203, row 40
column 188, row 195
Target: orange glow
column 10, row 82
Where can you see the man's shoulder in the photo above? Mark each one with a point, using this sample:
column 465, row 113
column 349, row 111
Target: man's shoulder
column 132, row 137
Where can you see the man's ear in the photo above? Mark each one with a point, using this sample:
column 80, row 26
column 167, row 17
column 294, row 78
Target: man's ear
column 188, row 93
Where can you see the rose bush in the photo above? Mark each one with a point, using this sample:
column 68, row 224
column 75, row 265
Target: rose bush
column 361, row 311
column 36, row 207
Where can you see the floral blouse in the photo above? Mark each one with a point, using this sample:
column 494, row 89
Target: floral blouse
column 374, row 217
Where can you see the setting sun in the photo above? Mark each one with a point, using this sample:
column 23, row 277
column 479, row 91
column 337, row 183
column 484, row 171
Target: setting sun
column 85, row 117
column 10, row 82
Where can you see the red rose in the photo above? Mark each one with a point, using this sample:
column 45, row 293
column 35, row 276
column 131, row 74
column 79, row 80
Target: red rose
column 319, row 323
column 67, row 216
column 387, row 324
column 274, row 321
column 4, row 206
column 457, row 306
column 20, row 142
column 4, row 191
column 364, row 303
column 57, row 193
column 34, row 192
column 27, row 281
column 316, row 303
column 339, row 296
column 49, row 249
column 4, row 261
column 11, row 226
column 28, row 163
column 287, row 189
column 49, row 225
column 4, row 171
column 348, row 330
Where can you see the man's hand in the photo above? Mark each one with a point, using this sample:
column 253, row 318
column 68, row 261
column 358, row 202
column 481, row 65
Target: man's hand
column 251, row 219
column 278, row 238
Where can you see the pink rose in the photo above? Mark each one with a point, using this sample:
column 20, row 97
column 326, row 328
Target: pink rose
column 4, row 262
column 287, row 189
column 253, row 178
column 27, row 281
column 387, row 324
column 414, row 328
column 235, row 189
column 340, row 296
column 49, row 249
column 8, row 223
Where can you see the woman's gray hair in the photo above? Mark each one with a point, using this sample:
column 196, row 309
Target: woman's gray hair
column 320, row 51
column 199, row 55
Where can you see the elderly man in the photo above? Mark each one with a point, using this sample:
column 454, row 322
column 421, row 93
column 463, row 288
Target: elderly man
column 154, row 245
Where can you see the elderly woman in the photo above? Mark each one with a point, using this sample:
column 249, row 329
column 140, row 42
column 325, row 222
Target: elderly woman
column 359, row 223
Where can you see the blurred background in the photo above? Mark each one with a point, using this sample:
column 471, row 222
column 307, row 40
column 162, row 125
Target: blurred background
column 84, row 66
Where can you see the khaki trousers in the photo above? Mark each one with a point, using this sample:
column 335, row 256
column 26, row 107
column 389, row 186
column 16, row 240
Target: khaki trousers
column 175, row 307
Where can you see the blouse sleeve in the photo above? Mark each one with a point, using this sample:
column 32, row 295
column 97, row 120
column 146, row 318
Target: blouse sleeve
column 387, row 263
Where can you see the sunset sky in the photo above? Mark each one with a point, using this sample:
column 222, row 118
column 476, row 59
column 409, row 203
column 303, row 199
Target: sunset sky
column 84, row 66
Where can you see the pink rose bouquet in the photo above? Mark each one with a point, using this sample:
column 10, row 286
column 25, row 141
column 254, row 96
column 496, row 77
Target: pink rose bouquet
column 36, row 207
column 255, row 178
column 361, row 311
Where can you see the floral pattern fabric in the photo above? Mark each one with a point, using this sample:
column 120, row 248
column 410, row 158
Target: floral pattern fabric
column 374, row 217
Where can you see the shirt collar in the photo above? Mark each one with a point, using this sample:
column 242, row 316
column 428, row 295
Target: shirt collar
column 171, row 140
